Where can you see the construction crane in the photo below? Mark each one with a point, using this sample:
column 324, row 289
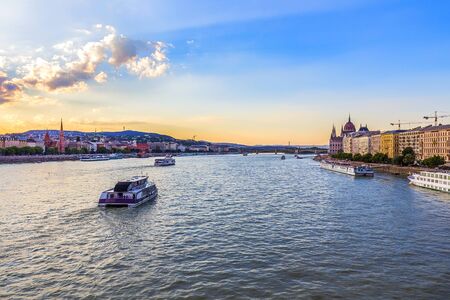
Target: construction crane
column 436, row 117
column 406, row 123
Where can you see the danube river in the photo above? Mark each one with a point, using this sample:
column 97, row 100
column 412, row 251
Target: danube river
column 222, row 227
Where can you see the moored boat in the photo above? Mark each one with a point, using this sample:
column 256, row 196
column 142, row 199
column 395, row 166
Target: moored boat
column 116, row 156
column 131, row 192
column 358, row 171
column 435, row 180
column 283, row 157
column 166, row 161
column 94, row 157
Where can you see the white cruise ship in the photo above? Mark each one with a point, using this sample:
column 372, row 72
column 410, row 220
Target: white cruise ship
column 439, row 181
column 359, row 171
column 166, row 161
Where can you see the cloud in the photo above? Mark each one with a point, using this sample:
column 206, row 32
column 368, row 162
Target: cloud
column 74, row 63
column 8, row 89
column 101, row 77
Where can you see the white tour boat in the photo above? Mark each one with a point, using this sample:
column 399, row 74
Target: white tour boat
column 131, row 193
column 435, row 180
column 94, row 157
column 166, row 161
column 359, row 171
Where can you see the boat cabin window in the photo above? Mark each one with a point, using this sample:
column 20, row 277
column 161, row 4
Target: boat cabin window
column 121, row 187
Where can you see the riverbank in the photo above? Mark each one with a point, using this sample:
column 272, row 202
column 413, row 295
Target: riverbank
column 18, row 159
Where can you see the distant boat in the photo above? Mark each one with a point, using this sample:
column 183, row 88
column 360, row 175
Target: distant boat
column 245, row 154
column 116, row 156
column 283, row 157
column 166, row 161
column 94, row 157
column 131, row 192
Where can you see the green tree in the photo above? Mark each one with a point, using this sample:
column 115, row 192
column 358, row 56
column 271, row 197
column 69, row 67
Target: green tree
column 84, row 151
column 102, row 150
column 380, row 158
column 10, row 151
column 51, row 151
column 357, row 157
column 408, row 150
column 409, row 159
column 367, row 158
column 398, row 160
column 38, row 150
column 433, row 162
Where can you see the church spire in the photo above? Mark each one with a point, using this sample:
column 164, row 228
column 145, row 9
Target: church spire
column 333, row 132
column 61, row 143
column 349, row 118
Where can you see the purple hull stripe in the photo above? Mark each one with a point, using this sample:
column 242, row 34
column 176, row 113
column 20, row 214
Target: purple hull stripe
column 123, row 201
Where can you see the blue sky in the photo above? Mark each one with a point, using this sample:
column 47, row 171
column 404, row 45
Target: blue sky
column 243, row 71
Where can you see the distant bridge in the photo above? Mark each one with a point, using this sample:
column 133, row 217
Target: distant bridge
column 285, row 149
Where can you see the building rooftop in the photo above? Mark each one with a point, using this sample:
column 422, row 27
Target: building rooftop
column 439, row 127
column 394, row 131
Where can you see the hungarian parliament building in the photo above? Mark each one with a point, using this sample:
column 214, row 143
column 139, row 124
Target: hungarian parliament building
column 426, row 141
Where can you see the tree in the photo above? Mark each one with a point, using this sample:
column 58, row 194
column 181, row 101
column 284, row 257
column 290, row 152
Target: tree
column 51, row 151
column 408, row 150
column 367, row 158
column 357, row 157
column 84, row 151
column 433, row 162
column 342, row 156
column 11, row 151
column 380, row 158
column 398, row 160
column 102, row 150
column 409, row 159
column 38, row 150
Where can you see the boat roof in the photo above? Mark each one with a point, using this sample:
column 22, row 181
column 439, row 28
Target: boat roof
column 134, row 179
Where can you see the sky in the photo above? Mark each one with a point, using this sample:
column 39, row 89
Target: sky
column 247, row 71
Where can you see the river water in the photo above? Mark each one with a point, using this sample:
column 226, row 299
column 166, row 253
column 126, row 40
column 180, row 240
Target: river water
column 222, row 227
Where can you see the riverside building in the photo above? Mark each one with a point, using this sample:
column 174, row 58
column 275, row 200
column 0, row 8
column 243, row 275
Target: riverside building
column 6, row 142
column 375, row 141
column 436, row 141
column 337, row 143
column 389, row 143
column 362, row 141
column 412, row 138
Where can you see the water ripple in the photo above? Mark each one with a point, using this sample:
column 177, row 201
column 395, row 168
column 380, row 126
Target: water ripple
column 222, row 227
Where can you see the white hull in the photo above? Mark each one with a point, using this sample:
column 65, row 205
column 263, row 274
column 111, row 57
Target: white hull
column 349, row 170
column 431, row 180
column 360, row 171
column 164, row 162
column 94, row 158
